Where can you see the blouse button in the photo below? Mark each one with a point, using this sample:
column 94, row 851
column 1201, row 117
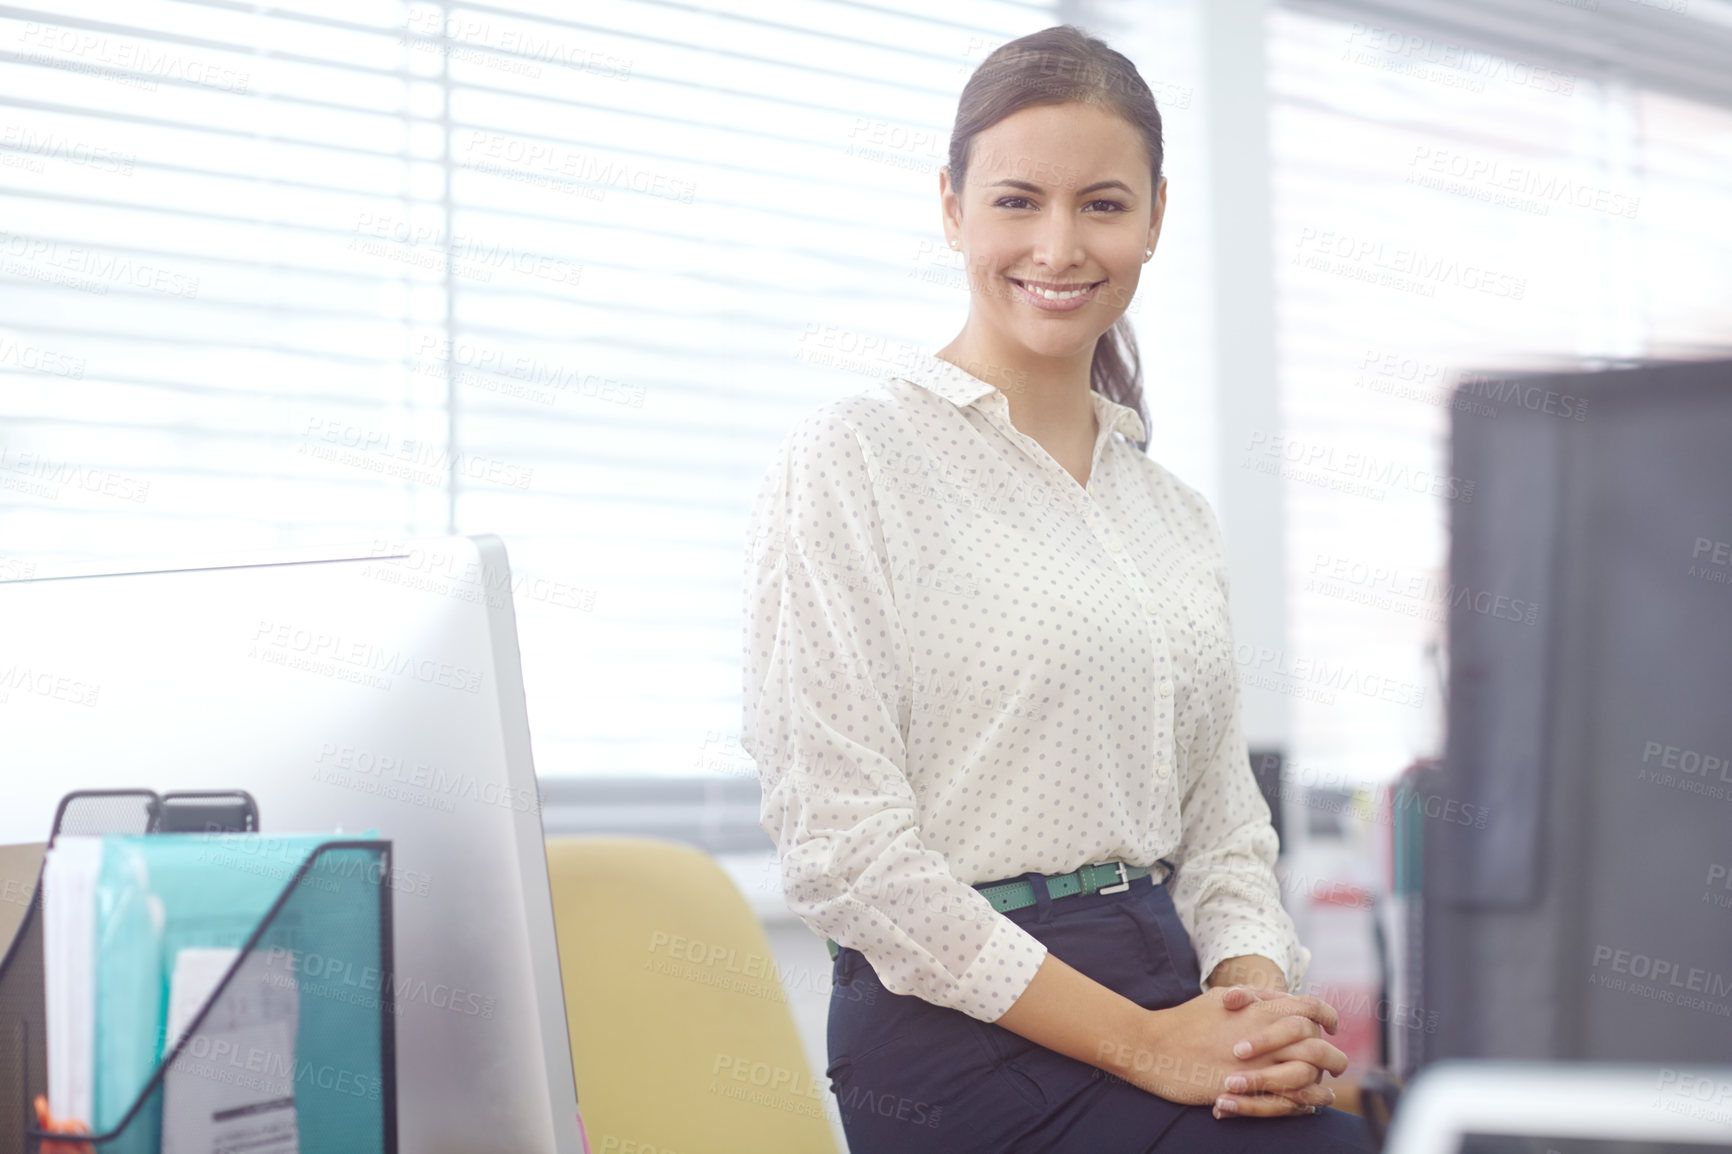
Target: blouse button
column 1151, row 608
column 1162, row 772
column 1113, row 545
column 1166, row 688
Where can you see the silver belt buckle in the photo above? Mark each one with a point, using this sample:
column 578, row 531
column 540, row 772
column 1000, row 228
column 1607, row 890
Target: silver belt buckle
column 1124, row 882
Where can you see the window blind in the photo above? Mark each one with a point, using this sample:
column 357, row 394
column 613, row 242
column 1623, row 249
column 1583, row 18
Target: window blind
column 1678, row 47
column 1449, row 208
column 321, row 271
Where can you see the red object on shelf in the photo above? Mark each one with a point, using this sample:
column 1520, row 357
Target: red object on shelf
column 1344, row 968
column 1343, row 894
column 46, row 1121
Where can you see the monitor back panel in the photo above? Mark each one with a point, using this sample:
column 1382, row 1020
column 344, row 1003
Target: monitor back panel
column 1590, row 722
column 341, row 694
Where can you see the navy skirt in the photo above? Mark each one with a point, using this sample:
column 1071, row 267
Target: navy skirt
column 910, row 1076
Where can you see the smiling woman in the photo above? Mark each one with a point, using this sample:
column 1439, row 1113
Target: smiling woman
column 1018, row 798
column 1039, row 113
column 1050, row 263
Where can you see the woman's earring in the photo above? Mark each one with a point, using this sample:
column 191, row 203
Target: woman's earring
column 1147, row 254
column 952, row 242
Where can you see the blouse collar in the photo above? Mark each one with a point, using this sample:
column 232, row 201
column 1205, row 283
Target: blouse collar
column 962, row 389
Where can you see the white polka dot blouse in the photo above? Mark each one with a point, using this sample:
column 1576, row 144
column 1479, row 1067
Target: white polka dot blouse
column 960, row 665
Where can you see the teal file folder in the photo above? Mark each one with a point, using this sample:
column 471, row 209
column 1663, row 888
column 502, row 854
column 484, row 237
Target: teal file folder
column 269, row 1030
column 159, row 894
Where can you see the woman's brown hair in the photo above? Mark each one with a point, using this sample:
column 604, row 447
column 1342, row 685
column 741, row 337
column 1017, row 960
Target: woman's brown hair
column 1062, row 65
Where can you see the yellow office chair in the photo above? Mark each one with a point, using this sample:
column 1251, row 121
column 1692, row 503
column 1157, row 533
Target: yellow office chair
column 681, row 1038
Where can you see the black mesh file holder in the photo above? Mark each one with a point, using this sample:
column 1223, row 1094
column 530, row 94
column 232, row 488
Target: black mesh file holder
column 23, row 1030
column 23, row 1058
column 293, row 1049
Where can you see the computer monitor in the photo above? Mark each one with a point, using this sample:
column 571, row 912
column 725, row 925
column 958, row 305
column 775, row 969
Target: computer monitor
column 1583, row 914
column 1459, row 1106
column 369, row 687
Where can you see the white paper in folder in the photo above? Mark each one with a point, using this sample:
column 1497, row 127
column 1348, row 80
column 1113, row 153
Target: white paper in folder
column 69, row 990
column 233, row 1085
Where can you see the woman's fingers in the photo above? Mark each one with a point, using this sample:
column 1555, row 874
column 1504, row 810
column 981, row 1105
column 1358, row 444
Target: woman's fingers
column 1238, row 997
column 1287, row 1006
column 1306, row 1101
column 1313, row 1056
column 1282, row 1032
column 1317, row 1095
column 1308, row 1006
column 1290, row 1074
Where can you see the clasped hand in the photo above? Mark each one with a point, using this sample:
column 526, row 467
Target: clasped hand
column 1253, row 1053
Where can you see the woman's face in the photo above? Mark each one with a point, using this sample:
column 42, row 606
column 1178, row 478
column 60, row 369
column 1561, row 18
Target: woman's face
column 1057, row 204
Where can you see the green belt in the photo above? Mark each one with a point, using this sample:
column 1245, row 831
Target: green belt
column 1019, row 894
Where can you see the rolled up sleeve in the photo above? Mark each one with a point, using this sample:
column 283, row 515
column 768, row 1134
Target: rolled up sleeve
column 1226, row 892
column 825, row 685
